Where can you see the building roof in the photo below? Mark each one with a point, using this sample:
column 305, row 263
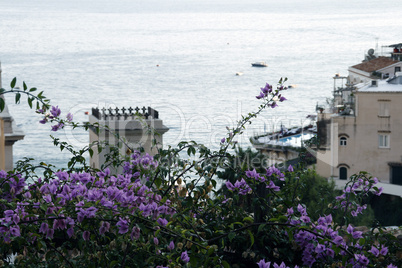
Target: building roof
column 393, row 84
column 375, row 64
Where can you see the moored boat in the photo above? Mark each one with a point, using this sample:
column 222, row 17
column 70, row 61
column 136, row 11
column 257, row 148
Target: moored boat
column 259, row 64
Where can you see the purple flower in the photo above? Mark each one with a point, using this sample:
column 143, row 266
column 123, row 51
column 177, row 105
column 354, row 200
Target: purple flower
column 162, row 221
column 230, row 186
column 281, row 99
column 252, row 174
column 69, row 117
column 43, row 121
column 301, row 209
column 16, row 218
column 156, row 241
column 260, row 96
column 272, row 186
column 263, row 264
column 374, row 251
column 104, row 227
column 282, row 265
column 338, row 240
column 330, row 252
column 223, row 140
column 57, row 127
column 49, row 233
column 70, row 232
column 290, row 168
column 86, row 235
column 43, row 228
column 362, row 259
column 55, row 111
column 123, row 226
column 184, row 257
column 267, row 89
column 350, row 229
column 357, row 235
column 59, row 224
column 171, row 246
column 384, row 250
column 135, row 233
column 320, row 248
column 289, row 212
column 391, row 266
column 379, row 192
column 305, row 219
column 15, row 231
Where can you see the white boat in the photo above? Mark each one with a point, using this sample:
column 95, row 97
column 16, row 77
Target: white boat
column 259, row 64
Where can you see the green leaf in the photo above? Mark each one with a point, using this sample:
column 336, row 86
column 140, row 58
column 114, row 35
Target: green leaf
column 24, row 85
column 114, row 263
column 251, row 237
column 213, row 183
column 282, row 218
column 30, row 102
column 2, row 104
column 225, row 264
column 157, row 232
column 158, row 182
column 248, row 219
column 261, row 227
column 231, row 235
column 17, row 98
column 12, row 84
column 33, row 89
column 91, row 152
column 211, row 250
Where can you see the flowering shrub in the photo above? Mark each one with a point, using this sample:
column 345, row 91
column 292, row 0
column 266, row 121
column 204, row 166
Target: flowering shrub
column 169, row 211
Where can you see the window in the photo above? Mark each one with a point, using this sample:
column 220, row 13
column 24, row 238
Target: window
column 342, row 141
column 396, row 175
column 384, row 108
column 397, row 69
column 383, row 141
column 343, row 173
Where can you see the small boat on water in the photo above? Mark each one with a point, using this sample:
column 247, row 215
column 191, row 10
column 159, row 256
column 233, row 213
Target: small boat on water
column 259, row 64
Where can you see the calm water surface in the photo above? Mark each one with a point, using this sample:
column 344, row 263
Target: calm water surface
column 105, row 53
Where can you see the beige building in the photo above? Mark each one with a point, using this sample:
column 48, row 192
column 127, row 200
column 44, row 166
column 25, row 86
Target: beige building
column 364, row 135
column 377, row 68
column 9, row 134
column 135, row 127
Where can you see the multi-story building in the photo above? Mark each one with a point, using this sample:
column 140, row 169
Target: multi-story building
column 363, row 132
column 376, row 68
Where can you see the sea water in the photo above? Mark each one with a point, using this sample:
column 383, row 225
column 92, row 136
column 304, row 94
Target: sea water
column 180, row 57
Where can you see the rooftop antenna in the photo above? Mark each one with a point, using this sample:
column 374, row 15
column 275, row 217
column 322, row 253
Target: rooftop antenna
column 376, row 46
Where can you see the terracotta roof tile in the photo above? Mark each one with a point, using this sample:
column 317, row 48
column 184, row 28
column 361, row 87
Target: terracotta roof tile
column 374, row 64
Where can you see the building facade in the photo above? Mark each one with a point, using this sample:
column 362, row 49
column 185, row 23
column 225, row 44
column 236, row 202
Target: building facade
column 132, row 128
column 9, row 134
column 368, row 138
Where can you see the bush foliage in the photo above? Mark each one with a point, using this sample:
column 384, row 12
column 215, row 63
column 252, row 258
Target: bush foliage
column 204, row 210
